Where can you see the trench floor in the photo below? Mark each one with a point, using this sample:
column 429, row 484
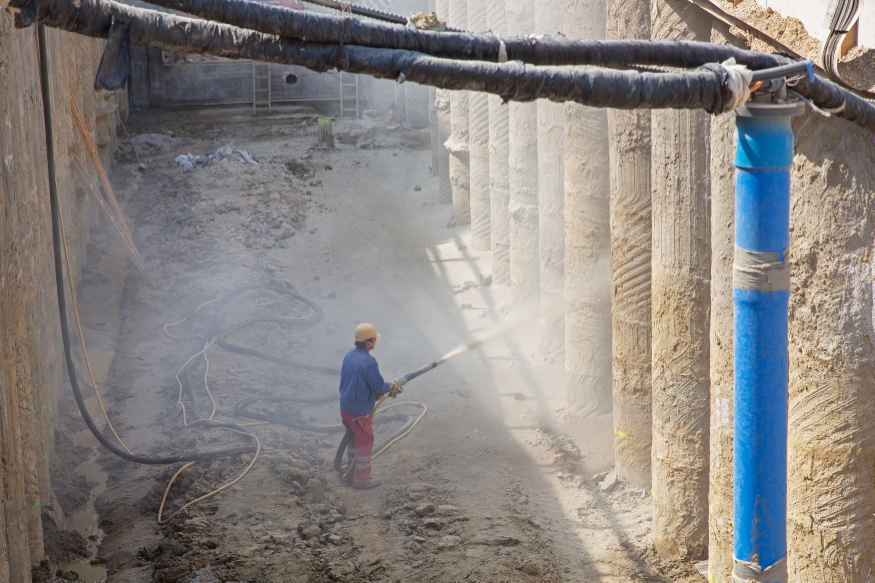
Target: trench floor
column 494, row 484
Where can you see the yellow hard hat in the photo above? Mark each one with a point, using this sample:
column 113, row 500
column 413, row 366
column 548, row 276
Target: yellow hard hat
column 365, row 332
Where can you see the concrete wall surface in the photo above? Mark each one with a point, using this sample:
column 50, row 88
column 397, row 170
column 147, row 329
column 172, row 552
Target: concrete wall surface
column 31, row 373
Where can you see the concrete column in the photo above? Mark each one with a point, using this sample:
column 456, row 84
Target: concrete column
column 721, row 342
column 831, row 433
column 457, row 145
column 629, row 134
column 587, row 237
column 681, row 265
column 499, row 181
column 432, row 116
column 434, row 131
column 549, row 20
column 442, row 113
column 416, row 105
column 721, row 336
column 479, row 142
column 523, row 171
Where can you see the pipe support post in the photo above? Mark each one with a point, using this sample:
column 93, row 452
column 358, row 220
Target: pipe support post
column 761, row 294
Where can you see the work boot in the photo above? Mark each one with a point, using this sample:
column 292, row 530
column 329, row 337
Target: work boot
column 372, row 483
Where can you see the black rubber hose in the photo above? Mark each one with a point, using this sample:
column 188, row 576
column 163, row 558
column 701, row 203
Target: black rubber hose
column 341, row 450
column 220, row 340
column 512, row 81
column 361, row 11
column 62, row 300
column 541, row 50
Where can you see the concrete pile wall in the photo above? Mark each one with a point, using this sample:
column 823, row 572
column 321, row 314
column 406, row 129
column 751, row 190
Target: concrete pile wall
column 31, row 373
column 672, row 231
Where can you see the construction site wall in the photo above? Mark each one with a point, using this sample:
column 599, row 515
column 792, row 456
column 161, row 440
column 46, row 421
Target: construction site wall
column 31, row 373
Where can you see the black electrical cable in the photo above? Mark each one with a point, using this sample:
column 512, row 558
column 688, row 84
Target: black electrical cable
column 62, row 301
column 701, row 89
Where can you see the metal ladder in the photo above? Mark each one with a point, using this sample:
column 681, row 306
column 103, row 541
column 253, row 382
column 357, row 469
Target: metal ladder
column 259, row 89
column 349, row 95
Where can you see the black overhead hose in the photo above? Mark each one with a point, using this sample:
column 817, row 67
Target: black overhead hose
column 542, row 50
column 360, row 10
column 704, row 88
column 62, row 301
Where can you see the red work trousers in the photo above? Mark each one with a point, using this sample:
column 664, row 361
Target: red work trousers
column 358, row 451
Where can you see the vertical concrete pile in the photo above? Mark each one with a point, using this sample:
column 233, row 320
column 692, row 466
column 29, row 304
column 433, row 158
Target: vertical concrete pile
column 721, row 335
column 629, row 134
column 523, row 171
column 479, row 142
column 31, row 372
column 432, row 118
column 680, row 299
column 499, row 180
column 442, row 114
column 831, row 440
column 549, row 20
column 457, row 145
column 587, row 237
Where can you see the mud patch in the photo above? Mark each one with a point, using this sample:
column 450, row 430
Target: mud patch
column 63, row 546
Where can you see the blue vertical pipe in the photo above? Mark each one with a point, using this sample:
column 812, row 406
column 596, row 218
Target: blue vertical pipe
column 761, row 294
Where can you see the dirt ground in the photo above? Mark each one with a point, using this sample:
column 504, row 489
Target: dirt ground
column 494, row 484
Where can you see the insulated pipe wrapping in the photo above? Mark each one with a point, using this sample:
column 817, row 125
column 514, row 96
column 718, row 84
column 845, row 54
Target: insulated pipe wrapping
column 458, row 144
column 322, row 28
column 587, row 239
column 549, row 19
column 705, row 88
column 630, row 221
column 680, row 298
column 167, row 32
column 523, row 170
column 478, row 140
column 499, row 182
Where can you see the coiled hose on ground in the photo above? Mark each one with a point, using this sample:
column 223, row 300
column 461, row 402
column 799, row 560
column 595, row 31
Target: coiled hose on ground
column 216, row 335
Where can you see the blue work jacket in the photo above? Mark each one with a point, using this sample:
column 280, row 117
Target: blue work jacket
column 360, row 382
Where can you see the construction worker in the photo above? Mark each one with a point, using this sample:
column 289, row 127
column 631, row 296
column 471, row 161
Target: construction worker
column 360, row 385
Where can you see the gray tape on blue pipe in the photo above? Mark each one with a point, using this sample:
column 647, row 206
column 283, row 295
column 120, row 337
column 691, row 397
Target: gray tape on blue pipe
column 758, row 271
column 745, row 572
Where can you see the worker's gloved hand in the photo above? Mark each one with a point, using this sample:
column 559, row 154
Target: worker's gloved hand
column 394, row 389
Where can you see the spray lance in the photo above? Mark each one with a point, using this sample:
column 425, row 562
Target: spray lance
column 346, row 472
